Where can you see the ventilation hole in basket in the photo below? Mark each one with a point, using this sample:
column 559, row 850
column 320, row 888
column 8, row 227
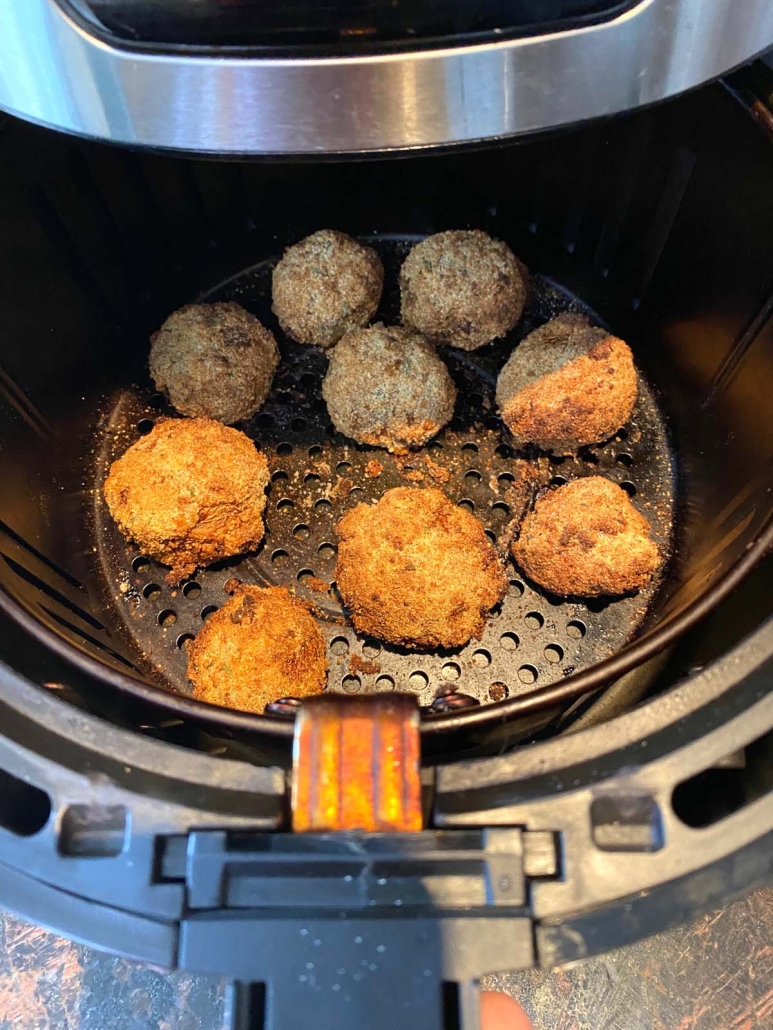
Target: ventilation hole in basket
column 557, row 459
column 467, row 504
column 264, row 420
column 191, row 590
column 625, row 460
column 356, row 493
column 554, row 653
column 302, row 531
column 558, row 481
column 450, row 672
column 493, row 422
column 305, row 575
column 145, row 426
column 284, row 398
column 371, row 648
column 505, row 480
column 622, row 434
column 167, row 618
column 298, row 425
column 534, row 620
column 527, row 674
column 516, row 588
column 472, row 478
column 285, row 504
column 339, row 645
column 279, row 557
column 509, row 641
column 151, row 591
column 311, row 479
column 434, row 445
column 491, row 535
column 184, row 641
column 343, row 467
column 504, row 451
column 629, row 488
column 589, row 457
column 418, row 680
column 385, row 683
column 278, row 476
column 481, row 658
column 284, row 449
column 157, row 400
column 351, row 684
column 315, row 451
column 576, row 629
column 498, row 691
column 308, row 381
column 326, row 551
column 140, row 564
column 322, row 505
column 208, row 610
column 470, row 447
column 500, row 508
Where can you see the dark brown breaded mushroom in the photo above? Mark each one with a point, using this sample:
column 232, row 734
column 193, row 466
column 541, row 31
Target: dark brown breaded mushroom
column 326, row 285
column 566, row 385
column 261, row 646
column 416, row 570
column 387, row 387
column 462, row 288
column 214, row 361
column 586, row 539
column 190, row 493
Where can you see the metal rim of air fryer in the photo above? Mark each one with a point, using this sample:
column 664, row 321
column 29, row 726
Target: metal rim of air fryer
column 570, row 689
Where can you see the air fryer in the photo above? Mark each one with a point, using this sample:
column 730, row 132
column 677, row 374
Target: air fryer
column 590, row 772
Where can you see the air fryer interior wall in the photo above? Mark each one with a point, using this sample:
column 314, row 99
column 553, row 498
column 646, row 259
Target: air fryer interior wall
column 657, row 220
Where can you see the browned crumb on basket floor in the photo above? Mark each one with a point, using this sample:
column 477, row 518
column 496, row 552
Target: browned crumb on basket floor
column 373, row 469
column 357, row 664
column 315, row 583
column 436, row 472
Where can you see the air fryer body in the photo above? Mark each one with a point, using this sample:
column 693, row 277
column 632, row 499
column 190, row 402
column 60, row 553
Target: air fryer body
column 562, row 821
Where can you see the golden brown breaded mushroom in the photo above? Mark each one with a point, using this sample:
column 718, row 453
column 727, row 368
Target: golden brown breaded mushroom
column 190, row 493
column 586, row 539
column 416, row 570
column 462, row 288
column 387, row 387
column 566, row 385
column 214, row 361
column 261, row 646
column 326, row 285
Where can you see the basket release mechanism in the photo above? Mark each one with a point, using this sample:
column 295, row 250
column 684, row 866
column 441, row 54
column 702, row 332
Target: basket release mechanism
column 356, row 764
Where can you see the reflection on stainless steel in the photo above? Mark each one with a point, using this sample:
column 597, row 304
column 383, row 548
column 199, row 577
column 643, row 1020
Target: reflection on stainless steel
column 53, row 72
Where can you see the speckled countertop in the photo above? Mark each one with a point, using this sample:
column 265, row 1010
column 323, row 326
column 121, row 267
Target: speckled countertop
column 713, row 974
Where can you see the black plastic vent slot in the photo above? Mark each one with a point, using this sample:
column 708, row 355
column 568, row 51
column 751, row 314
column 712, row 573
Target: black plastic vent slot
column 24, row 809
column 716, row 793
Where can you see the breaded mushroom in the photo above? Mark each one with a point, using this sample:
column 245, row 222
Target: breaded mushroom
column 326, row 285
column 416, row 570
column 387, row 387
column 189, row 493
column 214, row 361
column 566, row 385
column 586, row 539
column 462, row 288
column 261, row 646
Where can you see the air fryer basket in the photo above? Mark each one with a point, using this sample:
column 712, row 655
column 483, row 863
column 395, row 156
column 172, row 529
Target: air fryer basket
column 657, row 221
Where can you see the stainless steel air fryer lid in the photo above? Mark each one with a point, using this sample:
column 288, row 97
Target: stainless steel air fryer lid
column 213, row 77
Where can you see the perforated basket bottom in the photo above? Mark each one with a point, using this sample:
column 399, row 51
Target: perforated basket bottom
column 531, row 640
